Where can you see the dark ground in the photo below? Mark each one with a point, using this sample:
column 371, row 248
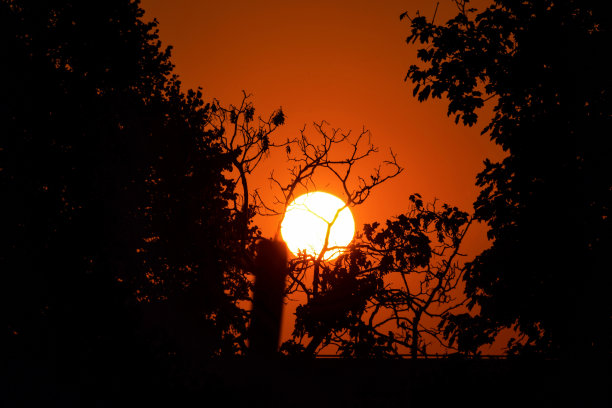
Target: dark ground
column 406, row 383
column 338, row 383
column 333, row 383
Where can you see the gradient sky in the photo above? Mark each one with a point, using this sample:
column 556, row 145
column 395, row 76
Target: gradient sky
column 339, row 61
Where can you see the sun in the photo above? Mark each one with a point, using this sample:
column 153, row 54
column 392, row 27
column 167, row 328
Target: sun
column 307, row 219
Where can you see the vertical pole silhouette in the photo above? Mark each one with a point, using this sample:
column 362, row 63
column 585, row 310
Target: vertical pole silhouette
column 270, row 273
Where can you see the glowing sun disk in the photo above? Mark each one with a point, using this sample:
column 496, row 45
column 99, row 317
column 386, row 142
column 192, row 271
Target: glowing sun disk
column 307, row 219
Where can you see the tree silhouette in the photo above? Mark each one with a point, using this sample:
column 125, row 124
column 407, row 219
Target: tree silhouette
column 337, row 156
column 113, row 191
column 422, row 247
column 361, row 304
column 356, row 305
column 541, row 63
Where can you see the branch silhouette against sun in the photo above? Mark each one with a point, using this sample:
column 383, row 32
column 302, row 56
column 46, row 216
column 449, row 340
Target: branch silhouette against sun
column 337, row 154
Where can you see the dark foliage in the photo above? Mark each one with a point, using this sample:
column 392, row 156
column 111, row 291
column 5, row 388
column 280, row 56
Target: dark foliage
column 547, row 204
column 112, row 196
column 389, row 293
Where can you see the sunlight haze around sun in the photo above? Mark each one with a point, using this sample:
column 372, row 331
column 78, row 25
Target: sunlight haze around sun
column 306, row 221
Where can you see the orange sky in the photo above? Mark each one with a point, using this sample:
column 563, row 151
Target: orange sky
column 339, row 61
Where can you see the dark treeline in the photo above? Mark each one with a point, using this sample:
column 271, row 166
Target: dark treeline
column 109, row 184
column 126, row 245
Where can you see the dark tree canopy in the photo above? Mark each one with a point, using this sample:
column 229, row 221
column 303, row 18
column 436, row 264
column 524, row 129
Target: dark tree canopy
column 112, row 191
column 542, row 63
